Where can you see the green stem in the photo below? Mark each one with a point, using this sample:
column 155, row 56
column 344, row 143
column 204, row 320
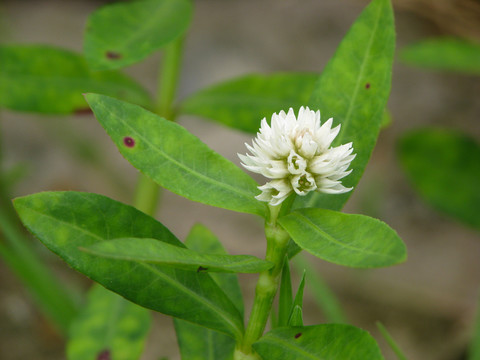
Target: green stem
column 267, row 285
column 147, row 191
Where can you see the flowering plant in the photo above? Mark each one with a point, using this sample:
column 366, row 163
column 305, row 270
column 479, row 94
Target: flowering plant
column 311, row 167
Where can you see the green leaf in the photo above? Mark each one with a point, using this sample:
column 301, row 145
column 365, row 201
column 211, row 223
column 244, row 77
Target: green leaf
column 121, row 34
column 353, row 89
column 51, row 80
column 202, row 240
column 285, row 297
column 197, row 343
column 243, row 102
column 66, row 221
column 156, row 252
column 322, row 342
column 296, row 317
column 344, row 239
column 298, row 301
column 174, row 158
column 108, row 326
column 444, row 167
column 322, row 294
column 446, row 54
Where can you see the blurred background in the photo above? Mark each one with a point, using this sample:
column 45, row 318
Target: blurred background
column 428, row 303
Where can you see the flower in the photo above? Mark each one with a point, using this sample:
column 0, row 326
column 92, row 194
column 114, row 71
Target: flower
column 295, row 153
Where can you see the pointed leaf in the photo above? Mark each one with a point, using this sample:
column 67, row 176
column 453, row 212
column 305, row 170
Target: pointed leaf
column 66, row 221
column 285, row 298
column 195, row 342
column 322, row 342
column 296, row 317
column 156, row 252
column 124, row 33
column 350, row 240
column 108, row 324
column 298, row 301
column 446, row 54
column 353, row 89
column 243, row 102
column 45, row 79
column 174, row 158
column 444, row 167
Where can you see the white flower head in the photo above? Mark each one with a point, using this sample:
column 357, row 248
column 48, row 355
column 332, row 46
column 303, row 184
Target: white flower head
column 295, row 153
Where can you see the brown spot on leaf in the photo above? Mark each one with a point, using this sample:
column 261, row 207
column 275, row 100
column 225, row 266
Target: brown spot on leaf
column 298, row 335
column 367, row 86
column 201, row 268
column 113, row 55
column 128, row 141
column 104, row 355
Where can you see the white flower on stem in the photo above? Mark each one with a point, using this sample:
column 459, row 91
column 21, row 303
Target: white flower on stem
column 295, row 153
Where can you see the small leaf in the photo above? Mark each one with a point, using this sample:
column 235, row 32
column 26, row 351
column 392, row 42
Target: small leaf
column 322, row 342
column 51, row 80
column 124, row 33
column 66, row 221
column 160, row 253
column 285, row 298
column 174, row 158
column 353, row 89
column 350, row 240
column 296, row 317
column 243, row 102
column 298, row 301
column 194, row 341
column 445, row 54
column 108, row 323
column 322, row 294
column 444, row 167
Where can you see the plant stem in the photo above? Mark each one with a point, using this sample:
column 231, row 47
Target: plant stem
column 267, row 285
column 147, row 191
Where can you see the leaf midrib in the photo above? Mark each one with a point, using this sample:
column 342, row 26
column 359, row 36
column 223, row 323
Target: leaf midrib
column 184, row 167
column 186, row 290
column 333, row 240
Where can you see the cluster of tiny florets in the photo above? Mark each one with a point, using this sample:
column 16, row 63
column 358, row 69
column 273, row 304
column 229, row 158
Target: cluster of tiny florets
column 295, row 153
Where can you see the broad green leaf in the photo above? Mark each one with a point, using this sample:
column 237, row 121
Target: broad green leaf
column 45, row 79
column 160, row 253
column 285, row 297
column 296, row 317
column 201, row 239
column 344, row 239
column 108, row 326
column 174, row 158
column 243, row 102
column 195, row 342
column 444, row 167
column 446, row 54
column 67, row 221
column 353, row 89
column 322, row 342
column 124, row 33
column 391, row 342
